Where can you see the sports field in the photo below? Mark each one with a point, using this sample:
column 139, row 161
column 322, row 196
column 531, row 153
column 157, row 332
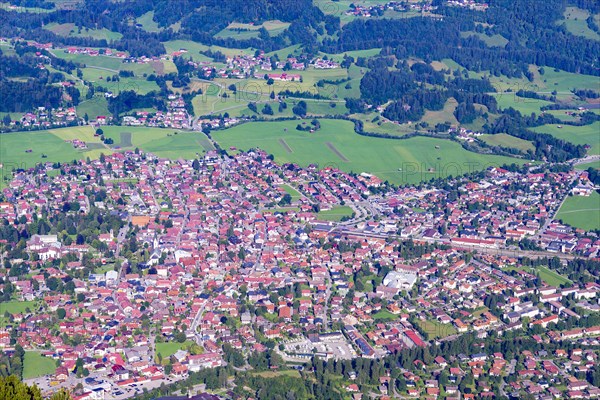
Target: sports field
column 335, row 214
column 399, row 161
column 581, row 212
column 549, row 276
column 587, row 134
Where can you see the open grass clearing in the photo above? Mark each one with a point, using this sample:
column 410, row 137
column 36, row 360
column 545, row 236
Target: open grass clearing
column 505, row 140
column 400, row 161
column 584, row 135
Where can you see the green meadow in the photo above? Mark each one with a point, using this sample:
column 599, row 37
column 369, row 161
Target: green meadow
column 336, row 144
column 587, row 134
column 36, row 365
column 581, row 212
column 168, row 143
column 504, row 140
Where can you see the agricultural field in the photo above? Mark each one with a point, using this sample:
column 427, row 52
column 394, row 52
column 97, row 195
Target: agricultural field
column 575, row 22
column 26, row 149
column 36, row 365
column 444, row 115
column 71, row 30
column 399, row 161
column 236, row 103
column 376, row 124
column 581, row 212
column 307, row 83
column 98, row 105
column 524, row 105
column 242, row 31
column 167, row 143
column 335, row 214
column 587, row 134
column 194, row 49
column 504, row 140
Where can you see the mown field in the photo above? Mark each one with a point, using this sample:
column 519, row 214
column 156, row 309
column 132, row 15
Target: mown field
column 167, row 349
column 20, row 150
column 335, row 214
column 336, row 144
column 169, row 143
column 550, row 277
column 504, row 140
column 581, row 212
column 36, row 365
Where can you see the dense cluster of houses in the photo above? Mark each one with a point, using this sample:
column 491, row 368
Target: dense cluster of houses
column 176, row 116
column 364, row 10
column 214, row 244
column 44, row 118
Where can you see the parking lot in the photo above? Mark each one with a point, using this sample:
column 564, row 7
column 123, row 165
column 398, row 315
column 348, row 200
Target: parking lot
column 331, row 349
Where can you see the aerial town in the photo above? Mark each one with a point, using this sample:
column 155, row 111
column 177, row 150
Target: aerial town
column 124, row 257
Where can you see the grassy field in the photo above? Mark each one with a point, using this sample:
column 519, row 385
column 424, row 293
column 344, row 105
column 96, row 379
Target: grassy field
column 71, row 30
column 504, row 140
column 384, row 315
column 167, row 349
column 36, row 365
column 588, row 134
column 51, row 143
column 595, row 165
column 435, row 329
column 98, row 105
column 490, row 41
column 550, row 277
column 581, row 212
column 524, row 105
column 167, row 143
column 335, row 214
column 243, row 31
column 272, row 374
column 575, row 22
column 194, row 49
column 16, row 307
column 292, row 192
column 399, row 161
column 147, row 22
